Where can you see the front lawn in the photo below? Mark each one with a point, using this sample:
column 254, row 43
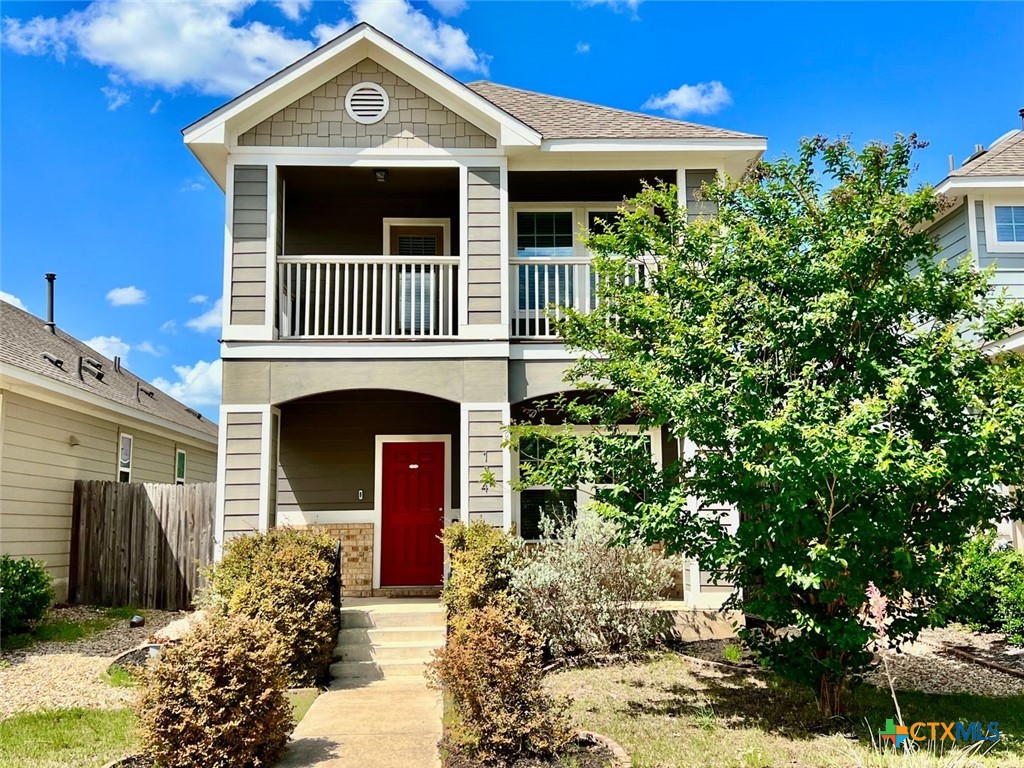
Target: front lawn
column 670, row 712
column 81, row 738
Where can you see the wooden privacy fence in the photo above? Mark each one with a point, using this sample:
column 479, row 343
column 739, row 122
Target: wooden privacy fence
column 140, row 544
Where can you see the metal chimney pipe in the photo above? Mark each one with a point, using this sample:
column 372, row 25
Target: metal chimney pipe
column 50, row 325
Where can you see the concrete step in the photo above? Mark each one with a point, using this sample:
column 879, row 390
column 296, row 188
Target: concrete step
column 373, row 670
column 385, row 652
column 364, row 636
column 354, row 618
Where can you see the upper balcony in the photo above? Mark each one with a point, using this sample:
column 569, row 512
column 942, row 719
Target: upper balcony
column 422, row 253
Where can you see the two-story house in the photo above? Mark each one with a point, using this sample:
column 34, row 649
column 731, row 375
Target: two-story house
column 392, row 240
column 985, row 223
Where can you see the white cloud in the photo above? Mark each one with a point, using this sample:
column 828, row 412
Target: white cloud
column 150, row 349
column 701, row 99
column 197, row 385
column 294, row 9
column 156, row 106
column 441, row 43
column 205, row 45
column 193, row 186
column 582, row 47
column 10, row 298
column 616, row 5
column 210, row 320
column 121, row 297
column 171, row 326
column 110, row 346
column 116, row 97
column 199, row 298
column 448, row 7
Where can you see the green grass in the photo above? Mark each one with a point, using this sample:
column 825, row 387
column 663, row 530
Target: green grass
column 71, row 738
column 666, row 712
column 53, row 629
column 119, row 677
column 733, row 653
column 301, row 700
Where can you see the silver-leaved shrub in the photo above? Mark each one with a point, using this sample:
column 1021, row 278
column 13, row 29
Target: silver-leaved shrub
column 588, row 593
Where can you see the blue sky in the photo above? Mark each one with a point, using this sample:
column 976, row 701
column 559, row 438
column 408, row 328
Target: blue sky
column 97, row 186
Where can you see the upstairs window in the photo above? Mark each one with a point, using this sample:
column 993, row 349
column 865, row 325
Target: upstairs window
column 179, row 467
column 544, row 234
column 124, row 458
column 1009, row 223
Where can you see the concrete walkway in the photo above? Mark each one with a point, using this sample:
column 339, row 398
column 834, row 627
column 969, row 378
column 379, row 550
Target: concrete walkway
column 389, row 723
column 378, row 712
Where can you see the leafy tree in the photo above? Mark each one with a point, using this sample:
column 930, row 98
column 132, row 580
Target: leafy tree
column 829, row 367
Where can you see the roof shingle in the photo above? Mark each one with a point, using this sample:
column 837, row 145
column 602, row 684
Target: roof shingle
column 555, row 117
column 1004, row 158
column 24, row 338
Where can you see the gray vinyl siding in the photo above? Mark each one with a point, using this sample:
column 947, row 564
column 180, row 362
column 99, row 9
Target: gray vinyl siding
column 1009, row 266
column 249, row 246
column 328, row 446
column 484, row 250
column 39, row 466
column 952, row 235
column 695, row 207
column 243, row 447
column 485, row 438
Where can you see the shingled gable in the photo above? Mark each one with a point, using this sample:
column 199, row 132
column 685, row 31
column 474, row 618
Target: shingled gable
column 23, row 341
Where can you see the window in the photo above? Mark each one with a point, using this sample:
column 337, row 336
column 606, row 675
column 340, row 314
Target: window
column 1009, row 223
column 179, row 467
column 547, row 234
column 124, row 459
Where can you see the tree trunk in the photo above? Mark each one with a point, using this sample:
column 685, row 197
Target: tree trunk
column 830, row 697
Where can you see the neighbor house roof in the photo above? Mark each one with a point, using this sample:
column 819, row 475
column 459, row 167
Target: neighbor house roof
column 1004, row 158
column 555, row 117
column 24, row 339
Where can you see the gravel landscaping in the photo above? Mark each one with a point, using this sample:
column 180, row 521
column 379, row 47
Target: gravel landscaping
column 58, row 675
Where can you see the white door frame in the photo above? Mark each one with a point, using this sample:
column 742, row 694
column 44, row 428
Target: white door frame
column 378, row 487
column 444, row 224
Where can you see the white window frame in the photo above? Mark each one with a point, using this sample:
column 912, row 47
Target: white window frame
column 992, row 245
column 586, row 491
column 131, row 456
column 393, row 221
column 180, row 452
column 580, row 219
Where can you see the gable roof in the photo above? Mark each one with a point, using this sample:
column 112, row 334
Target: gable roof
column 556, row 117
column 1004, row 158
column 24, row 338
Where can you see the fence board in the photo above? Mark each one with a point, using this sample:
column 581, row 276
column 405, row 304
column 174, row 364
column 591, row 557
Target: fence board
column 141, row 544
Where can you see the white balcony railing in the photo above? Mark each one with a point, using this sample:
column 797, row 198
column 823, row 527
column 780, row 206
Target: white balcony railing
column 367, row 296
column 542, row 287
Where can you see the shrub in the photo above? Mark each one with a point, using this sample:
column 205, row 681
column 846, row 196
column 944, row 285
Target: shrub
column 217, row 699
column 481, row 558
column 26, row 592
column 584, row 591
column 491, row 669
column 1010, row 608
column 975, row 582
column 284, row 578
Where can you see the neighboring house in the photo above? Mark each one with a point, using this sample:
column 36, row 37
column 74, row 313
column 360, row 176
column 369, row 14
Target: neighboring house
column 393, row 237
column 985, row 224
column 68, row 413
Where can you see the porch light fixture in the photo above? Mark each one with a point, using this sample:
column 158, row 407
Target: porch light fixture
column 381, row 174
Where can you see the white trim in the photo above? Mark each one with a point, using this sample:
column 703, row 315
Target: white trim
column 463, row 311
column 979, row 183
column 365, row 157
column 990, row 202
column 378, row 488
column 265, row 467
column 48, row 390
column 270, row 279
column 229, row 248
column 972, row 229
column 455, row 349
column 738, row 144
column 464, row 462
column 412, row 221
column 218, row 512
column 184, row 477
column 504, row 227
column 121, row 435
column 527, row 350
column 376, row 88
column 506, row 472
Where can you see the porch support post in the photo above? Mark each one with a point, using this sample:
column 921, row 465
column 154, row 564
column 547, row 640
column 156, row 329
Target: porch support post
column 481, row 453
column 244, row 478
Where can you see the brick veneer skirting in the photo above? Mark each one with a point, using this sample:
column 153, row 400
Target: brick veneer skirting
column 356, row 557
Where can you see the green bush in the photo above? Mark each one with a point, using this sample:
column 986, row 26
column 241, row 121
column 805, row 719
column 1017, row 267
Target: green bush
column 583, row 591
column 481, row 559
column 490, row 668
column 284, row 578
column 217, row 699
column 1010, row 608
column 26, row 592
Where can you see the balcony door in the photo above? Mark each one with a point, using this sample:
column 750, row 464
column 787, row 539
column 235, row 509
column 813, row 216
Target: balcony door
column 415, row 242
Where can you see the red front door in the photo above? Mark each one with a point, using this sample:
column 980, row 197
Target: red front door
column 412, row 514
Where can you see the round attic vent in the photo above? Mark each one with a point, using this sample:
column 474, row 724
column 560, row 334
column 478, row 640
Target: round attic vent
column 367, row 103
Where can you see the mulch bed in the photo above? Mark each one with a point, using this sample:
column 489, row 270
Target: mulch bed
column 713, row 652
